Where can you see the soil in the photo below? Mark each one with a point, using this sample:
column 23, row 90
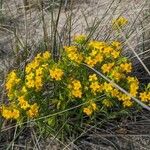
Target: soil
column 133, row 134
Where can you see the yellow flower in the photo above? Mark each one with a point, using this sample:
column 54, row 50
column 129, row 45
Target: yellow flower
column 97, row 45
column 30, row 80
column 30, row 84
column 93, row 53
column 39, row 71
column 108, row 50
column 46, row 55
column 116, row 75
column 148, row 95
column 30, row 76
column 69, row 49
column 15, row 114
column 126, row 67
column 119, row 22
column 76, row 84
column 115, row 92
column 77, row 93
column 10, row 113
column 38, row 82
column 115, row 54
column 90, row 109
column 6, row 113
column 24, row 90
column 98, row 58
column 91, row 62
column 93, row 105
column 107, row 87
column 23, row 103
column 134, row 86
column 87, row 111
column 131, row 79
column 33, row 111
column 127, row 103
column 106, row 68
column 143, row 96
column 93, row 77
column 56, row 73
column 95, row 87
column 76, row 88
column 12, row 80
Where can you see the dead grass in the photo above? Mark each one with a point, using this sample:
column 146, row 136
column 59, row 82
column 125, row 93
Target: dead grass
column 24, row 32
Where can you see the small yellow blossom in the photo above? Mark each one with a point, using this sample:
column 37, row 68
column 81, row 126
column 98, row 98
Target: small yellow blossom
column 116, row 75
column 39, row 71
column 12, row 80
column 56, row 73
column 91, row 62
column 93, row 77
column 76, row 84
column 97, row 45
column 115, row 92
column 143, row 96
column 119, row 22
column 106, row 68
column 46, row 55
column 127, row 103
column 23, row 103
column 115, row 54
column 108, row 50
column 93, row 105
column 107, row 87
column 87, row 111
column 38, row 82
column 94, row 86
column 33, row 111
column 126, row 67
column 77, row 93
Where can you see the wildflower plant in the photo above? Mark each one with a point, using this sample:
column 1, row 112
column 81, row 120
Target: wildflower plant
column 67, row 90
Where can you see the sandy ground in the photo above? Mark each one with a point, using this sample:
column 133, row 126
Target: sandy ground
column 29, row 28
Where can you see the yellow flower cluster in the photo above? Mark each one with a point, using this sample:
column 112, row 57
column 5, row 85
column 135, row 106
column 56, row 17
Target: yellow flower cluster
column 126, row 67
column 94, row 84
column 119, row 22
column 56, row 73
column 18, row 88
column 90, row 109
column 134, row 85
column 34, row 71
column 23, row 103
column 76, row 88
column 145, row 96
column 106, row 68
column 29, row 90
column 12, row 81
column 10, row 112
column 73, row 54
column 33, row 111
column 14, row 111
